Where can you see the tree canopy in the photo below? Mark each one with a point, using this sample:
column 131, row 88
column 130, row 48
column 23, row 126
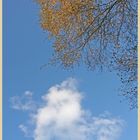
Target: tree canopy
column 95, row 32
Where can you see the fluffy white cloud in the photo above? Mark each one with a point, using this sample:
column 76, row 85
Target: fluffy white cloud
column 61, row 117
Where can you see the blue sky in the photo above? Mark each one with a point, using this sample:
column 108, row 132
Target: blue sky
column 25, row 49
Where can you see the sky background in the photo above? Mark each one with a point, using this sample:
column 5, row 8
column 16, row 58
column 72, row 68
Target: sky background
column 25, row 49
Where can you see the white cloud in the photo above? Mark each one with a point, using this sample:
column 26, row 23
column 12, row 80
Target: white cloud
column 61, row 117
column 24, row 129
column 24, row 102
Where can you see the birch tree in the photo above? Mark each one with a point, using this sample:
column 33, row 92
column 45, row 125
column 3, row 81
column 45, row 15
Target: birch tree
column 98, row 33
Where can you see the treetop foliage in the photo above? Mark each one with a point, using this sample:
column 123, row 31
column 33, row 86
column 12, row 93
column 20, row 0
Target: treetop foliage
column 95, row 32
